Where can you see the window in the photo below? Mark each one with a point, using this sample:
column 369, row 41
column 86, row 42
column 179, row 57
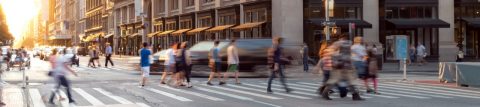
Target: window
column 205, row 22
column 409, row 12
column 207, row 1
column 171, row 26
column 173, row 4
column 227, row 19
column 190, row 3
column 256, row 15
column 186, row 24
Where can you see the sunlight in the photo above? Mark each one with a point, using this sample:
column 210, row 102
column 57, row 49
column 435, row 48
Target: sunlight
column 18, row 14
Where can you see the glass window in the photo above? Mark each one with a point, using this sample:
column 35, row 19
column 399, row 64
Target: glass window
column 420, row 12
column 404, row 12
column 190, row 3
column 351, row 13
column 262, row 15
column 428, row 12
column 316, row 12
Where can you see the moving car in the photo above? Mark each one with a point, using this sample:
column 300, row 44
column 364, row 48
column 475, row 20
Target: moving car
column 252, row 55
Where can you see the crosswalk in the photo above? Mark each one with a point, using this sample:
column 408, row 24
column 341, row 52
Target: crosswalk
column 116, row 68
column 254, row 92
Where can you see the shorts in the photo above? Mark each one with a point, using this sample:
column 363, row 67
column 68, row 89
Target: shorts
column 169, row 68
column 232, row 68
column 179, row 67
column 146, row 71
column 216, row 67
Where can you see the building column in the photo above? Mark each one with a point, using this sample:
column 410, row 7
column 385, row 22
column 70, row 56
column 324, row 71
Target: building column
column 370, row 14
column 287, row 21
column 447, row 46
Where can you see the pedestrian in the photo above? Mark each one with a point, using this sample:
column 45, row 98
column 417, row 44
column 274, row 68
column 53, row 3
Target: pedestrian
column 359, row 56
column 372, row 71
column 60, row 67
column 108, row 55
column 145, row 53
column 214, row 63
column 91, row 61
column 75, row 59
column 277, row 64
column 460, row 55
column 96, row 55
column 180, row 65
column 412, row 54
column 188, row 63
column 304, row 53
column 421, row 54
column 169, row 63
column 233, row 62
column 342, row 69
column 1, row 80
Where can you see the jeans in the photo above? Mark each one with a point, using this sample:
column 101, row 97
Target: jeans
column 305, row 64
column 361, row 67
column 62, row 81
column 108, row 59
column 273, row 75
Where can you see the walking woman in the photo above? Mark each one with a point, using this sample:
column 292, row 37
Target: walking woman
column 372, row 72
column 59, row 72
column 169, row 63
column 188, row 63
column 91, row 62
column 180, row 65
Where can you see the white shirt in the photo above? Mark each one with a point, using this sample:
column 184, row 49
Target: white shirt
column 170, row 57
column 59, row 67
column 358, row 52
column 421, row 50
column 232, row 55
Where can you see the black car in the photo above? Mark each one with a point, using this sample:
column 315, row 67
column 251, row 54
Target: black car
column 252, row 55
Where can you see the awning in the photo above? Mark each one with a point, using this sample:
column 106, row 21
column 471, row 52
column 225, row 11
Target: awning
column 419, row 23
column 133, row 35
column 107, row 36
column 166, row 32
column 197, row 30
column 248, row 25
column 153, row 34
column 181, row 31
column 219, row 28
column 473, row 22
column 344, row 22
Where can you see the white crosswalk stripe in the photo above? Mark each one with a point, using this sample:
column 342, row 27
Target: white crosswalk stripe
column 295, row 88
column 427, row 91
column 258, row 90
column 94, row 101
column 392, row 90
column 112, row 96
column 64, row 103
column 13, row 97
column 194, row 93
column 306, row 83
column 180, row 98
column 440, row 87
column 278, row 89
column 235, row 96
column 245, row 92
column 406, row 95
column 36, row 98
column 436, row 89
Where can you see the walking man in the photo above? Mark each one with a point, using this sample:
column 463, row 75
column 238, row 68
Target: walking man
column 304, row 53
column 60, row 65
column 233, row 62
column 91, row 61
column 214, row 62
column 359, row 57
column 108, row 55
column 145, row 62
column 276, row 54
column 421, row 54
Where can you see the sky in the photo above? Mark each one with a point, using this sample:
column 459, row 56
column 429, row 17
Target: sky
column 18, row 14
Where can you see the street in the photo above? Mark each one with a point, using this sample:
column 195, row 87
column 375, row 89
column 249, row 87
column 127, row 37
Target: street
column 119, row 86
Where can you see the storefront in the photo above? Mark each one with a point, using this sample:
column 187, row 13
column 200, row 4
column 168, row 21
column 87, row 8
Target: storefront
column 257, row 20
column 228, row 17
column 467, row 27
column 205, row 21
column 417, row 19
column 186, row 23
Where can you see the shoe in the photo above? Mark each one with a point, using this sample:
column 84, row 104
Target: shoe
column 356, row 97
column 288, row 90
column 189, row 86
column 370, row 91
column 209, row 83
column 222, row 83
column 375, row 92
column 269, row 92
column 238, row 83
column 326, row 92
column 163, row 82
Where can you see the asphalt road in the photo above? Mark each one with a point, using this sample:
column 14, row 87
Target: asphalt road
column 119, row 87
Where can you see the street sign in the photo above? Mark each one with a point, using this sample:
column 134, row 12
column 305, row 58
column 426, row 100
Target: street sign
column 401, row 47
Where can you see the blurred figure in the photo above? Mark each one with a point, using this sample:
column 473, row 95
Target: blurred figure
column 59, row 72
column 359, row 56
column 180, row 65
column 188, row 63
column 108, row 55
column 1, row 80
column 342, row 69
column 214, row 63
column 372, row 72
column 169, row 63
column 91, row 61
column 145, row 62
column 96, row 55
column 460, row 55
column 233, row 62
column 304, row 53
column 277, row 64
column 421, row 54
column 412, row 54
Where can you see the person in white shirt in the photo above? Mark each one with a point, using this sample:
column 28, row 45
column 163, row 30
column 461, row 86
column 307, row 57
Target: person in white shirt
column 421, row 54
column 169, row 63
column 233, row 62
column 359, row 56
column 59, row 72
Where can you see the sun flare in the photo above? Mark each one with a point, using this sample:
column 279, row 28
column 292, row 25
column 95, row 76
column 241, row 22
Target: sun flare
column 18, row 14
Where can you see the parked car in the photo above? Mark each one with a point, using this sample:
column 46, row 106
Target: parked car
column 252, row 55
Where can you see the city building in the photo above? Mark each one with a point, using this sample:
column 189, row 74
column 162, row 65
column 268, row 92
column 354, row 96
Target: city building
column 96, row 19
column 60, row 26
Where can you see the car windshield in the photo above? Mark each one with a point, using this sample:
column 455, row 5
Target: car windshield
column 205, row 46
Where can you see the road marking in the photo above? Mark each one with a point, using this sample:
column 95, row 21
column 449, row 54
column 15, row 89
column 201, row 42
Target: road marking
column 194, row 93
column 442, row 87
column 114, row 97
column 245, row 92
column 391, row 90
column 13, row 97
column 383, row 96
column 296, row 88
column 36, row 98
column 94, row 101
column 278, row 89
column 168, row 94
column 142, row 104
column 234, row 96
column 405, row 95
column 304, row 86
column 282, row 94
column 306, row 83
column 427, row 91
column 450, row 90
column 65, row 102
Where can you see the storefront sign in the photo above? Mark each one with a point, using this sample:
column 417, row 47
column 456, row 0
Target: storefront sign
column 401, row 47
